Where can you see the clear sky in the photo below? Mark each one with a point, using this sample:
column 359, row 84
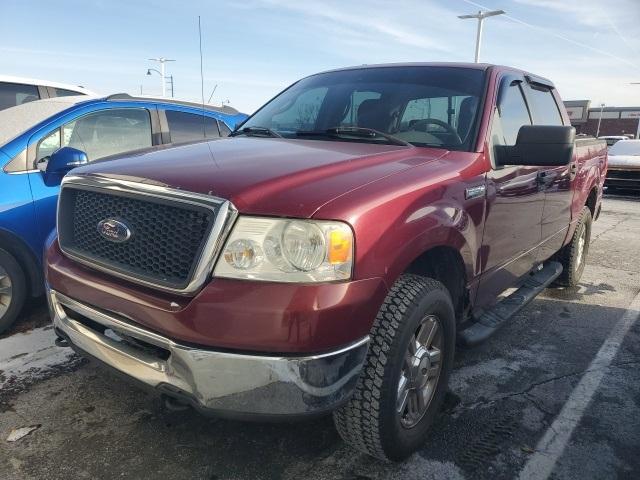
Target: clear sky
column 255, row 48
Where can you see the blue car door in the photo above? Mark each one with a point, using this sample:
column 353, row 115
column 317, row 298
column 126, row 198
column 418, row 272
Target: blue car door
column 99, row 134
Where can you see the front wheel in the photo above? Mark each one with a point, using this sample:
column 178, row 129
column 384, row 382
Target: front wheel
column 404, row 379
column 12, row 289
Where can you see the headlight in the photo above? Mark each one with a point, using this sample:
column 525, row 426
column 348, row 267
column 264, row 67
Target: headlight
column 283, row 250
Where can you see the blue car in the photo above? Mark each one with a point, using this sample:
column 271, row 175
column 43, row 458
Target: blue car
column 41, row 141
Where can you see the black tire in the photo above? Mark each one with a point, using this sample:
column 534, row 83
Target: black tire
column 572, row 259
column 18, row 289
column 370, row 421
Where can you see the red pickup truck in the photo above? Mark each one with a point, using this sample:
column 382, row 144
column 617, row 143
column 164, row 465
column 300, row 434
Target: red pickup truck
column 329, row 256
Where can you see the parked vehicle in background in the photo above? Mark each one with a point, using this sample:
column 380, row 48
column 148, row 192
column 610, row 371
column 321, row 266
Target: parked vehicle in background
column 41, row 141
column 624, row 166
column 17, row 90
column 613, row 139
column 328, row 256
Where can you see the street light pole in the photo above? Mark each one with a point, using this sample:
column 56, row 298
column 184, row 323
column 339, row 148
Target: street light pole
column 162, row 61
column 599, row 120
column 637, row 129
column 480, row 16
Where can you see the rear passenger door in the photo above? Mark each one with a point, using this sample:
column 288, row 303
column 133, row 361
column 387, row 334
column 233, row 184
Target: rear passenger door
column 554, row 182
column 186, row 126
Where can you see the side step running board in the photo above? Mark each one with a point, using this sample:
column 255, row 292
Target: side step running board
column 492, row 320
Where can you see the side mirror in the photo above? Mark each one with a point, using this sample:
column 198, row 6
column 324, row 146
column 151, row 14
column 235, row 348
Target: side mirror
column 61, row 162
column 539, row 145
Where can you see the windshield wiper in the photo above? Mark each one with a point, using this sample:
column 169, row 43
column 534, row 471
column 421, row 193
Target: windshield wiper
column 255, row 131
column 360, row 132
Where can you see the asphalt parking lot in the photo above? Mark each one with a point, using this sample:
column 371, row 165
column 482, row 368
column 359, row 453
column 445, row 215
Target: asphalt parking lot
column 555, row 394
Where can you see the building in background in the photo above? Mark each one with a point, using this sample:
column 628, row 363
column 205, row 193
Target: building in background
column 615, row 120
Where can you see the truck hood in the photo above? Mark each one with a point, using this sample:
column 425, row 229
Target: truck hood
column 266, row 176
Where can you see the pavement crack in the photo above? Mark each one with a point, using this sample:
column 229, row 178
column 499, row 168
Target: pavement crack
column 526, row 392
column 537, row 405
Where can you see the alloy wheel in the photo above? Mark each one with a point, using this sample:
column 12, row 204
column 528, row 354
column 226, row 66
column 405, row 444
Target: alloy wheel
column 582, row 239
column 420, row 371
column 6, row 291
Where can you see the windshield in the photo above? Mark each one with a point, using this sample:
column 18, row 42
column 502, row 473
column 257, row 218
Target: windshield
column 425, row 106
column 625, row 147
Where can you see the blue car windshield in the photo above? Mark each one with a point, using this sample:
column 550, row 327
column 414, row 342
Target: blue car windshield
column 420, row 105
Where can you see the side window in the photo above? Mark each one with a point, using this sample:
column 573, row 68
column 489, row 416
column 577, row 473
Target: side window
column 109, row 132
column 63, row 92
column 302, row 113
column 48, row 145
column 12, row 94
column 187, row 127
column 224, row 130
column 510, row 115
column 543, row 107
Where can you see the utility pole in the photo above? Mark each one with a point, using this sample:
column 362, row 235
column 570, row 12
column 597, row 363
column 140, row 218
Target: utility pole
column 637, row 129
column 480, row 16
column 599, row 120
column 162, row 61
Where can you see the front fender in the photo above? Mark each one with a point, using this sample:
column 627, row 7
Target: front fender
column 400, row 218
column 439, row 225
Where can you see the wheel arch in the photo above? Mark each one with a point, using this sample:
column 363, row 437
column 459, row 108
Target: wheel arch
column 592, row 200
column 447, row 265
column 27, row 260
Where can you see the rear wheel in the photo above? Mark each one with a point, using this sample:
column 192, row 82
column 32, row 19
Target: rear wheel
column 573, row 256
column 12, row 289
column 404, row 379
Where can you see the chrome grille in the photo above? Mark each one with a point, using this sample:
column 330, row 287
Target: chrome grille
column 170, row 235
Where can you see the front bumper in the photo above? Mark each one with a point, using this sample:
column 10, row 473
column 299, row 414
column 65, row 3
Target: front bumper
column 218, row 382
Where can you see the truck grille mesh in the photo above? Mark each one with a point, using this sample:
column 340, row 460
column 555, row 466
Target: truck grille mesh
column 166, row 241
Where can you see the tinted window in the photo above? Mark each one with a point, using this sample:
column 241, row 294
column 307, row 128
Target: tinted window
column 109, row 132
column 12, row 94
column 510, row 115
column 543, row 107
column 63, row 92
column 434, row 106
column 224, row 130
column 188, row 127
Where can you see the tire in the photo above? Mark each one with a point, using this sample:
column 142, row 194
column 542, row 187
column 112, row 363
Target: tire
column 573, row 256
column 373, row 420
column 12, row 289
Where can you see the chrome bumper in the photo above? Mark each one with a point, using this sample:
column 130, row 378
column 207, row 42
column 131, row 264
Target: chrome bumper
column 228, row 384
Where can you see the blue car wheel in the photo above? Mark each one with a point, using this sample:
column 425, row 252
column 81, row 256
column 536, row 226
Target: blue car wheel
column 12, row 289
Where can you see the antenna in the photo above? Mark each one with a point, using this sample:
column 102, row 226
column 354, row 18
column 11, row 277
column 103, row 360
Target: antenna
column 201, row 77
column 214, row 91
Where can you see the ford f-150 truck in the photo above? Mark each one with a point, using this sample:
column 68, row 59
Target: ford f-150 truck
column 332, row 253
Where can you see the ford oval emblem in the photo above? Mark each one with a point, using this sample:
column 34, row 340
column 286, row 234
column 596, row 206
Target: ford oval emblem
column 114, row 230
